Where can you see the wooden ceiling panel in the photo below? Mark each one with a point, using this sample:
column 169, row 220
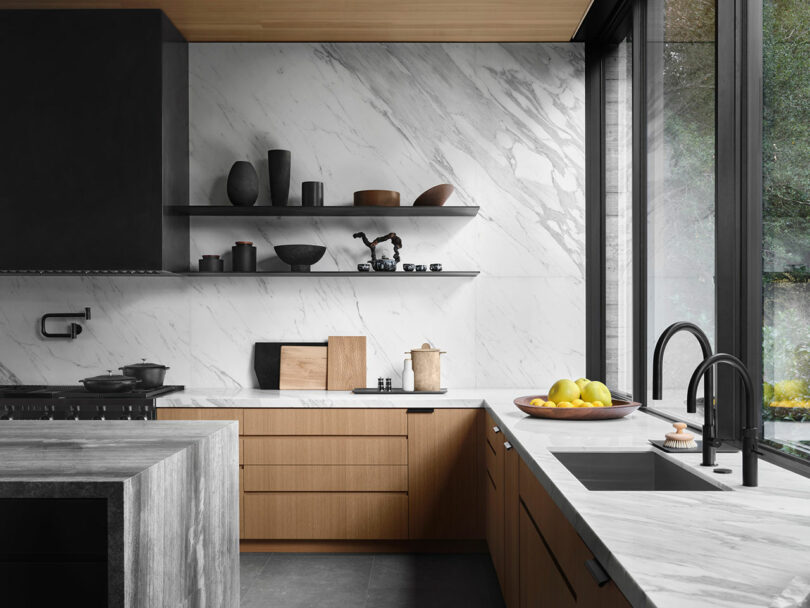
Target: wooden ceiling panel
column 356, row 20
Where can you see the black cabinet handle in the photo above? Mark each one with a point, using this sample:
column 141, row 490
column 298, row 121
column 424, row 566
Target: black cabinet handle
column 419, row 410
column 601, row 577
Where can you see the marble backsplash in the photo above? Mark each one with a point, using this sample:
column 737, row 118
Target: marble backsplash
column 504, row 123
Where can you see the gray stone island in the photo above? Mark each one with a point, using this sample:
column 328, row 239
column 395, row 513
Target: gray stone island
column 120, row 513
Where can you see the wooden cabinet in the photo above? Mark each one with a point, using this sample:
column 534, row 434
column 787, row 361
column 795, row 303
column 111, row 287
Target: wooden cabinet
column 494, row 492
column 444, row 496
column 350, row 422
column 511, row 518
column 543, row 525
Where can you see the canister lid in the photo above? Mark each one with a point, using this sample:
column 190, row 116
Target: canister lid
column 425, row 348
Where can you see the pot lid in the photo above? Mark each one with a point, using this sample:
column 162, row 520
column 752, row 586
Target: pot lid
column 144, row 364
column 425, row 348
column 111, row 378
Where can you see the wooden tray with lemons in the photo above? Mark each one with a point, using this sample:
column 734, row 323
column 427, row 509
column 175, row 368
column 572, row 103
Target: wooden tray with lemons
column 576, row 400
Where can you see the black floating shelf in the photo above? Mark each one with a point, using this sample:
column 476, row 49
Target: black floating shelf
column 326, row 211
column 335, row 273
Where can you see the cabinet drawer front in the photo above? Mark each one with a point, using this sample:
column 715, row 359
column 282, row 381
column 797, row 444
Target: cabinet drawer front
column 321, row 421
column 493, row 433
column 568, row 548
column 494, row 526
column 333, row 478
column 202, row 413
column 493, row 458
column 313, row 515
column 326, row 450
column 541, row 581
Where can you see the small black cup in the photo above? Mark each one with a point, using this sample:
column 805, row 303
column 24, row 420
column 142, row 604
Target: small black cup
column 364, row 267
column 312, row 194
column 408, row 267
column 435, row 268
column 421, row 268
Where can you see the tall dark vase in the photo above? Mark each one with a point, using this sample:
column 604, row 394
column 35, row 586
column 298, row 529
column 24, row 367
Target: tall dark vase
column 243, row 184
column 278, row 162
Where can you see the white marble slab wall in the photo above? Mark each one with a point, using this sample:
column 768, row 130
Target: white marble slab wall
column 504, row 123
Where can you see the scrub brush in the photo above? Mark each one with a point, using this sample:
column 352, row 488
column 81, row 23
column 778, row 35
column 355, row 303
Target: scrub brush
column 680, row 438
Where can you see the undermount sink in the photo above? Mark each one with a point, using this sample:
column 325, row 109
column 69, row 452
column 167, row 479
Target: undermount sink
column 643, row 471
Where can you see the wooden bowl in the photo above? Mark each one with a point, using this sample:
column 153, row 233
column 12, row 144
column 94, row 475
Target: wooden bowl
column 435, row 196
column 376, row 198
column 619, row 409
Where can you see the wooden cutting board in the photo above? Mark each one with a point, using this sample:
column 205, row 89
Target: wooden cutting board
column 302, row 368
column 346, row 363
column 267, row 361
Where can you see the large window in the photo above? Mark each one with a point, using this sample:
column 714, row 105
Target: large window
column 680, row 204
column 786, row 225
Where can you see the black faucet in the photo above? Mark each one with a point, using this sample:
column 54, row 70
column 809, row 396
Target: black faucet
column 710, row 442
column 749, row 429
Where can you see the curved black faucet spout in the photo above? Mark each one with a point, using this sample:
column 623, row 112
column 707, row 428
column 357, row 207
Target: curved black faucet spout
column 749, row 431
column 709, row 418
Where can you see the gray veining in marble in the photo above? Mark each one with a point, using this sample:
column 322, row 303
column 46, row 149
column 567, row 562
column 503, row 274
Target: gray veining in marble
column 503, row 122
column 172, row 495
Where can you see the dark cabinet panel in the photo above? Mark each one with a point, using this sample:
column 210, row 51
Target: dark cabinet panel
column 94, row 123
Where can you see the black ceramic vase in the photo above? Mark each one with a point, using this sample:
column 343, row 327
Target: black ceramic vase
column 243, row 184
column 278, row 162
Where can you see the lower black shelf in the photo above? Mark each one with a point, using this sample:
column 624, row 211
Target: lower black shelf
column 336, row 273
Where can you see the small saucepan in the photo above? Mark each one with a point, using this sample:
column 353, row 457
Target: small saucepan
column 109, row 383
column 151, row 375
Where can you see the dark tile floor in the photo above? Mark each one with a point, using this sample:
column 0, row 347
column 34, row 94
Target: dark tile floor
column 306, row 580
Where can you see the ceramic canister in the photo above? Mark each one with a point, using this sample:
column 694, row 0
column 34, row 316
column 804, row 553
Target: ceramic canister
column 243, row 255
column 426, row 368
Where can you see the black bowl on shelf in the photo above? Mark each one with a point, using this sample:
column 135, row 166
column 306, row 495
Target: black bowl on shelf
column 300, row 257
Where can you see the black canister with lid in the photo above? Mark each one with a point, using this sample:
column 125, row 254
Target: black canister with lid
column 244, row 257
column 211, row 263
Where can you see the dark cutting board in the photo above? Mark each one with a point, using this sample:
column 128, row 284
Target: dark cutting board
column 267, row 361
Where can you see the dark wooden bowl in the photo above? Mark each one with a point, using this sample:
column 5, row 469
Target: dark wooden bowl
column 376, row 198
column 619, row 409
column 435, row 196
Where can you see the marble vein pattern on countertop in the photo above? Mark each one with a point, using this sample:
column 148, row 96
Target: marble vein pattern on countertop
column 98, row 451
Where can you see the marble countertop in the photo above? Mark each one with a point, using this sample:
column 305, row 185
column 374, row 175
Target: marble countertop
column 91, row 451
column 251, row 397
column 744, row 547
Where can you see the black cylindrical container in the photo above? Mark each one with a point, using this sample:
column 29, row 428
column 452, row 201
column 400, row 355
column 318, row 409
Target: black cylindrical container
column 278, row 164
column 312, row 194
column 244, row 257
column 211, row 263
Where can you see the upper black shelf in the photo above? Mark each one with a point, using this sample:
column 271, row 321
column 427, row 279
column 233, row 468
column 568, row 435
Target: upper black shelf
column 326, row 211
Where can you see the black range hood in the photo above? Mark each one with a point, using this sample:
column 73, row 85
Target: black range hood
column 94, row 146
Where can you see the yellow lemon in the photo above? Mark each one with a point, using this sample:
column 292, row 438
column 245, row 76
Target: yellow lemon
column 550, row 404
column 577, row 402
column 564, row 404
column 598, row 404
column 536, row 402
column 563, row 390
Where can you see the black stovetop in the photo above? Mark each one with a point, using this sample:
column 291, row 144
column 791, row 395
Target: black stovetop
column 33, row 391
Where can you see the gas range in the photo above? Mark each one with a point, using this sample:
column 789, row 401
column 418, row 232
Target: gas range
column 44, row 402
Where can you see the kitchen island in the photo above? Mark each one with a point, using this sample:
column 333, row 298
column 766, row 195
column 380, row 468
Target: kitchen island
column 119, row 513
column 734, row 548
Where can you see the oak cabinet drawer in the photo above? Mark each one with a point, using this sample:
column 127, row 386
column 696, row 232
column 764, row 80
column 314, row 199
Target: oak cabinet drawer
column 332, row 478
column 333, row 515
column 321, row 421
column 202, row 413
column 326, row 450
column 241, row 502
column 493, row 460
column 494, row 435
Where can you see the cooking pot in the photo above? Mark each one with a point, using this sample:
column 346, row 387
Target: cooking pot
column 151, row 375
column 109, row 383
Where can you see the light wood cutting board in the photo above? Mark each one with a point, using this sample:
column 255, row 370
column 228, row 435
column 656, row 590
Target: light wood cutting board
column 346, row 363
column 302, row 368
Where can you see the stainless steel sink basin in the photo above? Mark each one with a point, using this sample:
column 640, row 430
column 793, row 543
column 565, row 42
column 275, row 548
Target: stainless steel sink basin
column 645, row 471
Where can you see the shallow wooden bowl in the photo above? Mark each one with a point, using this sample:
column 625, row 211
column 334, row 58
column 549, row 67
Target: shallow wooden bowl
column 619, row 409
column 376, row 198
column 435, row 196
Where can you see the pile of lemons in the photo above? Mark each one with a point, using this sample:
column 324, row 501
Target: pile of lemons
column 576, row 393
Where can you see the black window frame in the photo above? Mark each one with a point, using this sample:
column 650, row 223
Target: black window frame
column 738, row 199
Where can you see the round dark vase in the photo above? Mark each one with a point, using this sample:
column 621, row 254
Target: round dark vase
column 243, row 184
column 278, row 163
